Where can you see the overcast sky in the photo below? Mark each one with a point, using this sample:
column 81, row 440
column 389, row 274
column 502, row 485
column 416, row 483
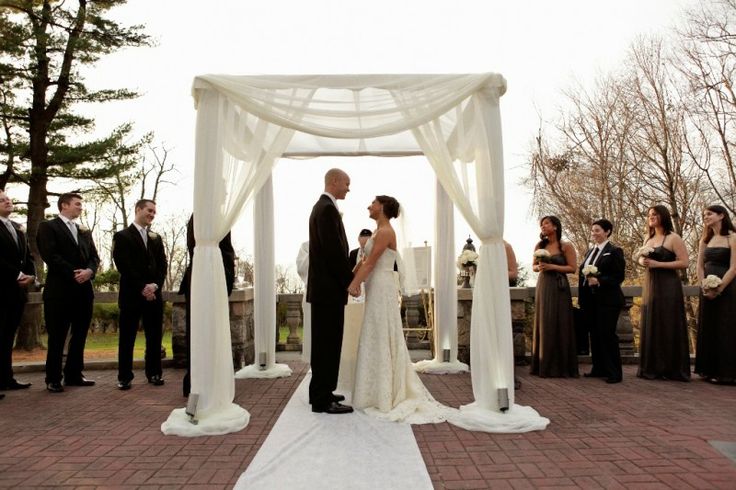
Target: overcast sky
column 539, row 46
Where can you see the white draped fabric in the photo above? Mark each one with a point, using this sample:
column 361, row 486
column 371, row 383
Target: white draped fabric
column 246, row 122
column 445, row 291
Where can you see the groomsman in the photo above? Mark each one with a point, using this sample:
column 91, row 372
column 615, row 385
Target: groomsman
column 72, row 261
column 357, row 253
column 17, row 272
column 601, row 300
column 228, row 262
column 140, row 257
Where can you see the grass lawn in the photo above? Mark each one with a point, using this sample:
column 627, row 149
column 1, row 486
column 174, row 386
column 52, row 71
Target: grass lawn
column 100, row 346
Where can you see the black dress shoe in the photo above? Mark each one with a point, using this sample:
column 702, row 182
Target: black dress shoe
column 333, row 408
column 2, row 396
column 54, row 387
column 156, row 380
column 593, row 375
column 613, row 380
column 80, row 382
column 338, row 398
column 123, row 385
column 14, row 385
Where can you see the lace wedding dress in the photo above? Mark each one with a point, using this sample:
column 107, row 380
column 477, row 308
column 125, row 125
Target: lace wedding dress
column 386, row 385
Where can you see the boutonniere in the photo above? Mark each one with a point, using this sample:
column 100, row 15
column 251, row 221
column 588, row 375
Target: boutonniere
column 152, row 235
column 82, row 229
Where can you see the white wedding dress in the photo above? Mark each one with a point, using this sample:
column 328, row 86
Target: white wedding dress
column 386, row 384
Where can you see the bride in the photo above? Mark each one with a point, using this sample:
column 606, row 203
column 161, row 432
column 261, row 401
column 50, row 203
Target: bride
column 386, row 385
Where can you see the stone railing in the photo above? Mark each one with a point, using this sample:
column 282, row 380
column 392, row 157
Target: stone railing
column 242, row 321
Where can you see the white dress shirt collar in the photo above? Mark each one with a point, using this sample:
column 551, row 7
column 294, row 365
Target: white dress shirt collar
column 332, row 198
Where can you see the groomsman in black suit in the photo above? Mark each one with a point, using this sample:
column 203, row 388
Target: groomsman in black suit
column 601, row 300
column 17, row 272
column 72, row 261
column 328, row 279
column 228, row 262
column 140, row 257
column 357, row 253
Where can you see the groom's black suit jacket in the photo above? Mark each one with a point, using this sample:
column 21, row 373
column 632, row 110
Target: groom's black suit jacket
column 329, row 268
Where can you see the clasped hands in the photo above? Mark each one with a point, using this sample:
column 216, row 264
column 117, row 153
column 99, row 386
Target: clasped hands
column 149, row 292
column 82, row 275
column 354, row 290
column 25, row 280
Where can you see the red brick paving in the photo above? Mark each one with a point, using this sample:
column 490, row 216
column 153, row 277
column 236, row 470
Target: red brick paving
column 637, row 434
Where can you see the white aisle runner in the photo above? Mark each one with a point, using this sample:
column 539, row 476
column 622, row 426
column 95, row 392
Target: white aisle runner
column 308, row 450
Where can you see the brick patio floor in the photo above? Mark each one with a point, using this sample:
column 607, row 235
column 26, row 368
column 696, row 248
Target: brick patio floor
column 637, row 434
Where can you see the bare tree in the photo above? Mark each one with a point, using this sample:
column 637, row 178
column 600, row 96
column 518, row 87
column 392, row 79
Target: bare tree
column 707, row 60
column 173, row 231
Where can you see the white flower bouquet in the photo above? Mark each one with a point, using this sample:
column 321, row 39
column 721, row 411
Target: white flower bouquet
column 711, row 282
column 467, row 259
column 542, row 255
column 590, row 270
column 642, row 252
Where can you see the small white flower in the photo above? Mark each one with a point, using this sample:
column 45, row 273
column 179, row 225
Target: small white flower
column 711, row 282
column 82, row 228
column 152, row 235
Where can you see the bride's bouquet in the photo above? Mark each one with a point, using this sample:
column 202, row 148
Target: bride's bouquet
column 542, row 255
column 711, row 282
column 467, row 259
column 590, row 271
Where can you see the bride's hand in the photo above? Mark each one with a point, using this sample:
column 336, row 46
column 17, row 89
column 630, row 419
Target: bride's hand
column 354, row 290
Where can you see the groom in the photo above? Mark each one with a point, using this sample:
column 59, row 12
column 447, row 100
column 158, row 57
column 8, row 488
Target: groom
column 328, row 279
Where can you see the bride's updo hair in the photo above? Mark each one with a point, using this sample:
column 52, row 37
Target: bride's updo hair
column 390, row 206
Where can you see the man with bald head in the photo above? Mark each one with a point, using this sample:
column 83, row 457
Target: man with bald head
column 328, row 279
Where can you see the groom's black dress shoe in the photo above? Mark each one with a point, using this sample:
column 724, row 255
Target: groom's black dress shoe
column 54, row 387
column 123, row 385
column 613, row 380
column 338, row 398
column 593, row 375
column 156, row 380
column 333, row 407
column 14, row 385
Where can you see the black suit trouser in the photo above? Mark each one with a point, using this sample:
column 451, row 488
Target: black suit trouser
column 151, row 314
column 63, row 317
column 11, row 313
column 604, row 347
column 327, row 329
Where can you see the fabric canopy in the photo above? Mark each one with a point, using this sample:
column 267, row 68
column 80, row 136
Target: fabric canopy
column 246, row 123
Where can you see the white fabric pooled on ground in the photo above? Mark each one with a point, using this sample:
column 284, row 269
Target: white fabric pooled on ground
column 315, row 450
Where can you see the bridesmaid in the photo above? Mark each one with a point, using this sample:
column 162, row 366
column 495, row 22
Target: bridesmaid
column 715, row 359
column 663, row 341
column 553, row 342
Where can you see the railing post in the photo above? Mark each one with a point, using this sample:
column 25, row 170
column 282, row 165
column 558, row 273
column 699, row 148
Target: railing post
column 293, row 320
column 625, row 330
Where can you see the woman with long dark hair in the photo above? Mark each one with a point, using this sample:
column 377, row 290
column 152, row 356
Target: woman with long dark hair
column 553, row 342
column 663, row 341
column 715, row 358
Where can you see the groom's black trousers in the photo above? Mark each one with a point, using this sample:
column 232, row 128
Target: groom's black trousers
column 327, row 327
